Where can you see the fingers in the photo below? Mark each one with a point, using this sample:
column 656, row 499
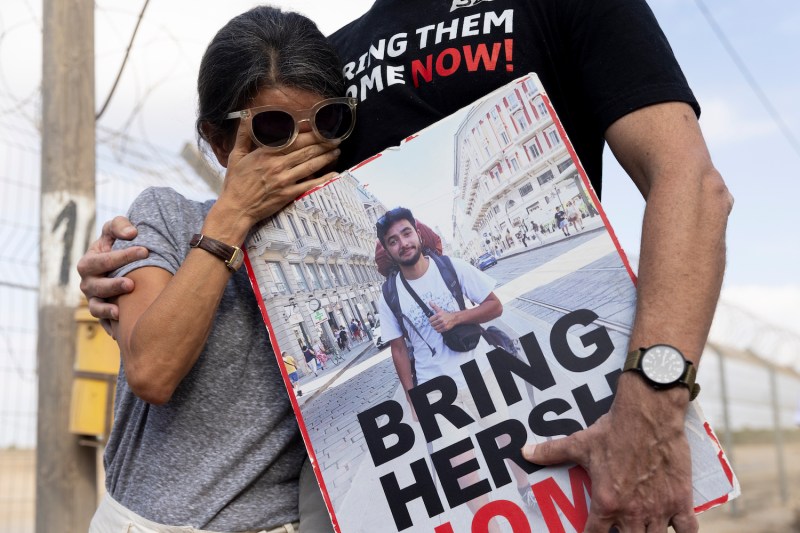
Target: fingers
column 599, row 523
column 99, row 288
column 118, row 228
column 553, row 452
column 437, row 322
column 100, row 263
column 260, row 182
column 121, row 228
column 96, row 286
column 106, row 323
column 103, row 310
column 243, row 144
column 596, row 524
column 301, row 188
column 291, row 175
column 99, row 260
column 689, row 525
column 435, row 307
column 685, row 523
column 308, row 161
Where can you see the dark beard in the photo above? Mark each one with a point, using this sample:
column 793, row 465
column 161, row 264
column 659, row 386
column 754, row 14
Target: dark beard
column 412, row 261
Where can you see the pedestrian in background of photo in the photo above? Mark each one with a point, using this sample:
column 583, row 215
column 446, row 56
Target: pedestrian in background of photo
column 354, row 331
column 341, row 338
column 291, row 368
column 321, row 356
column 561, row 220
column 311, row 359
column 302, row 365
column 574, row 216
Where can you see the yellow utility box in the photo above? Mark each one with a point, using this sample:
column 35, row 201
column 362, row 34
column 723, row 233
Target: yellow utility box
column 95, row 377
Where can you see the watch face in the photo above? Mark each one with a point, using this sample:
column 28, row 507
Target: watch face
column 663, row 364
column 314, row 305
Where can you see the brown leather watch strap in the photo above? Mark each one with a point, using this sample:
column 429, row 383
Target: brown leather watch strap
column 231, row 255
column 633, row 362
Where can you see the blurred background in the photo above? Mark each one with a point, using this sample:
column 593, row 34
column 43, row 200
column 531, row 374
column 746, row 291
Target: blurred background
column 739, row 57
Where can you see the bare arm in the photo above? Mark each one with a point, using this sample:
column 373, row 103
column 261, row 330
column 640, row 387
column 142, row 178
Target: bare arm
column 682, row 256
column 165, row 321
column 489, row 309
column 402, row 363
column 680, row 273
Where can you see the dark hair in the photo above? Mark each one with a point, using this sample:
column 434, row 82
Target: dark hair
column 389, row 218
column 261, row 48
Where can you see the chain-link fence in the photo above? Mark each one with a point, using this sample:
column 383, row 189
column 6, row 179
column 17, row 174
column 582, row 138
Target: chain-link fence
column 19, row 277
column 124, row 168
column 750, row 373
column 759, row 363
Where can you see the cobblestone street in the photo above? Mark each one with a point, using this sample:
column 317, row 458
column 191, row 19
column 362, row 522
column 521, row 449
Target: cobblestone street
column 330, row 416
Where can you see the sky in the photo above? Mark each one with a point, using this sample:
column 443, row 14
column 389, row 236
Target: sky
column 156, row 100
column 431, row 200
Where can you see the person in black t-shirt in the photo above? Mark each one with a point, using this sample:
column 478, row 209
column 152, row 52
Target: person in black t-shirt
column 611, row 76
column 344, row 340
column 561, row 221
column 311, row 359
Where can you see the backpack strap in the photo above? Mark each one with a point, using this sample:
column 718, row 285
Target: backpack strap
column 413, row 293
column 392, row 298
column 498, row 338
column 450, row 277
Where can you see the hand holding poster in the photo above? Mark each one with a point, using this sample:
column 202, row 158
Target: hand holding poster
column 506, row 304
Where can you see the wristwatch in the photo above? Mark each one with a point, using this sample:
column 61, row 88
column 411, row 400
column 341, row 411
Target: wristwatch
column 231, row 255
column 663, row 366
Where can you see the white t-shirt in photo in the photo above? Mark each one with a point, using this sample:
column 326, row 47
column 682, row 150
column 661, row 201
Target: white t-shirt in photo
column 475, row 285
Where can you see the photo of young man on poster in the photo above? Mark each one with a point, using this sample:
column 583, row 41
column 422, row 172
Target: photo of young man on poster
column 432, row 332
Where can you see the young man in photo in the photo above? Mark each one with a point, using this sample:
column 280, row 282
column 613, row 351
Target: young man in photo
column 432, row 357
column 398, row 234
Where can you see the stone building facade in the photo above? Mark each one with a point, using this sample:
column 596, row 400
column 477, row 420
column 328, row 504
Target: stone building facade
column 315, row 262
column 512, row 170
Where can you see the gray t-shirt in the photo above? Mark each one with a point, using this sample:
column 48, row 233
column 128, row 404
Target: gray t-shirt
column 225, row 452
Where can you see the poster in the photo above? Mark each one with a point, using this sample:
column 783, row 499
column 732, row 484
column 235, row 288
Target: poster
column 506, row 199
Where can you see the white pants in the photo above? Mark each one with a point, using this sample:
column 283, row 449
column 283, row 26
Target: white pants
column 113, row 517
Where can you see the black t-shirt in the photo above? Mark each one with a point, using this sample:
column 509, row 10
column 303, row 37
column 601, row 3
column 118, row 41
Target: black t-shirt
column 413, row 62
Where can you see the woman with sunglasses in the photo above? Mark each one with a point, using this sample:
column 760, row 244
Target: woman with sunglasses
column 204, row 437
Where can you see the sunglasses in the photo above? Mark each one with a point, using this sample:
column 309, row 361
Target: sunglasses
column 380, row 224
column 273, row 127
